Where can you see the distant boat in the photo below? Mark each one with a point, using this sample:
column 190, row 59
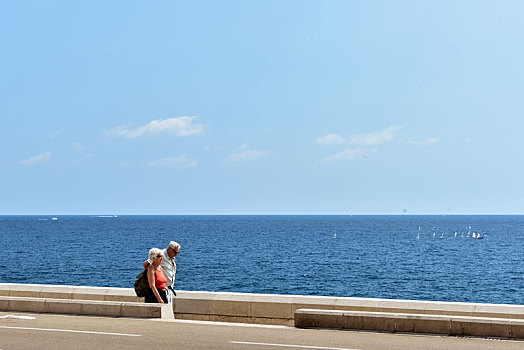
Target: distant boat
column 334, row 236
column 54, row 218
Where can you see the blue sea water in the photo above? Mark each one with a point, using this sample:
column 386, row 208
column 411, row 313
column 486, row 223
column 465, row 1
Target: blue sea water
column 352, row 256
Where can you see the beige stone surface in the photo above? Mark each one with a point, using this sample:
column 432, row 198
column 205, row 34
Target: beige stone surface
column 4, row 303
column 85, row 307
column 316, row 317
column 89, row 293
column 312, row 302
column 22, row 290
column 6, row 288
column 231, row 308
column 411, row 323
column 124, row 298
column 121, row 294
column 422, row 324
column 271, row 309
column 481, row 328
column 128, row 310
column 89, row 296
column 356, row 304
column 62, row 306
column 400, row 306
column 233, row 319
column 354, row 322
column 458, row 309
column 516, row 329
column 374, row 322
column 25, row 304
column 266, row 308
column 499, row 310
column 166, row 312
column 193, row 303
column 102, row 308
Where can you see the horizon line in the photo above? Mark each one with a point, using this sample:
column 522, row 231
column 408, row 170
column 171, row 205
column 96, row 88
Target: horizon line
column 267, row 214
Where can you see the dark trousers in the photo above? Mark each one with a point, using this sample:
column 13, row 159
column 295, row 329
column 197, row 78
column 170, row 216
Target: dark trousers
column 151, row 298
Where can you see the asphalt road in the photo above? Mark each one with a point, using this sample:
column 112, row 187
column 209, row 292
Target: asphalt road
column 47, row 331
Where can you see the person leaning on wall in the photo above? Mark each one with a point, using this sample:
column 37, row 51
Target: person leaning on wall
column 168, row 265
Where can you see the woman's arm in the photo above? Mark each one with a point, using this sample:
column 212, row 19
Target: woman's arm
column 151, row 280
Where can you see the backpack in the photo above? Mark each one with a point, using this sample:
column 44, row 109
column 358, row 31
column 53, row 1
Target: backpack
column 141, row 284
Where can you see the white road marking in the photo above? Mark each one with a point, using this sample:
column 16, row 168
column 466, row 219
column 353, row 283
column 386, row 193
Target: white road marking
column 71, row 331
column 216, row 323
column 289, row 345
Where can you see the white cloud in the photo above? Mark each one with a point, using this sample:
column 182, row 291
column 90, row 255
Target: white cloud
column 331, row 139
column 180, row 162
column 55, row 133
column 244, row 153
column 40, row 158
column 77, row 146
column 348, row 154
column 178, row 126
column 375, row 138
column 425, row 142
column 124, row 165
column 83, row 159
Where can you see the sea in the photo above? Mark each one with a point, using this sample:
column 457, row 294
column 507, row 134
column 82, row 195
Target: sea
column 413, row 257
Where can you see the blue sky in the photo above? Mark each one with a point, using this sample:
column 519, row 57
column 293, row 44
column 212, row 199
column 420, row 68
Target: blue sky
column 261, row 107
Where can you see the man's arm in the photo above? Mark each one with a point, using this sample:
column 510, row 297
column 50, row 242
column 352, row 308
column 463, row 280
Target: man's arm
column 146, row 263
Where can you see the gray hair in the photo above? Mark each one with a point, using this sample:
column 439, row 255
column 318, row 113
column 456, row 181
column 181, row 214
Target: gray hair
column 173, row 245
column 153, row 252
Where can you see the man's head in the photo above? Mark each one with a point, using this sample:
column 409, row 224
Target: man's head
column 172, row 249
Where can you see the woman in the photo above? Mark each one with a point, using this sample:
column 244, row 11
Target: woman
column 156, row 293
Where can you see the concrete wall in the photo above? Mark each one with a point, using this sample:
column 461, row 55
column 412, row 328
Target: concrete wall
column 263, row 308
column 411, row 323
column 86, row 307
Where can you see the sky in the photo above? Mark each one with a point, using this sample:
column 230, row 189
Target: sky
column 261, row 107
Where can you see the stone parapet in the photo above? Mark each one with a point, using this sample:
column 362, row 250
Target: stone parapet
column 68, row 292
column 85, row 307
column 410, row 323
column 264, row 308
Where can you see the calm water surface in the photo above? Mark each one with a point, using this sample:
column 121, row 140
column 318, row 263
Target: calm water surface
column 357, row 256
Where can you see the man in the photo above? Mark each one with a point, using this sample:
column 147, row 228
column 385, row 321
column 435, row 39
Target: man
column 168, row 266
